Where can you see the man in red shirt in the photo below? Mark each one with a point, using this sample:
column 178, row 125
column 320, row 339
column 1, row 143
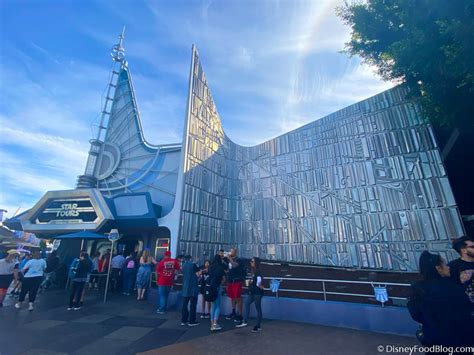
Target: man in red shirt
column 165, row 271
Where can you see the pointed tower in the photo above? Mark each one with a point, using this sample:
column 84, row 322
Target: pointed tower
column 90, row 177
column 121, row 161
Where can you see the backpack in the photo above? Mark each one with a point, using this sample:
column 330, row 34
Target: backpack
column 131, row 264
column 73, row 268
column 210, row 292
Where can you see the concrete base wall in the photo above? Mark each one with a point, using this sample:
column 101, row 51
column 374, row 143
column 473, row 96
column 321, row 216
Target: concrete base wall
column 391, row 320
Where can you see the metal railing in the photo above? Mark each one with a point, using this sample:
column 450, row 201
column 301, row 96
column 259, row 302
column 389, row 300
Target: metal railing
column 325, row 281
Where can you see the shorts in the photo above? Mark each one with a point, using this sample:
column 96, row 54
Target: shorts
column 234, row 290
column 5, row 281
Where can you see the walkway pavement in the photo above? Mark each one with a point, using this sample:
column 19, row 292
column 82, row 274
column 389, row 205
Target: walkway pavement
column 125, row 326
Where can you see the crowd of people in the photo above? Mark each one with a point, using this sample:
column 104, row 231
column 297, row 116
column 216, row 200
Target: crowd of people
column 442, row 301
column 225, row 274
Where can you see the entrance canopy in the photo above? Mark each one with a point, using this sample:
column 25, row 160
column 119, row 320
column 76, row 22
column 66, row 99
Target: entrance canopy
column 81, row 235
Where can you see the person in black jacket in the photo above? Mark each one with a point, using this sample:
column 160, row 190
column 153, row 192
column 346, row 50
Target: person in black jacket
column 462, row 269
column 216, row 279
column 256, row 292
column 79, row 270
column 440, row 305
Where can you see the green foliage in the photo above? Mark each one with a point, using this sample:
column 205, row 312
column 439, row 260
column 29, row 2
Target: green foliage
column 429, row 44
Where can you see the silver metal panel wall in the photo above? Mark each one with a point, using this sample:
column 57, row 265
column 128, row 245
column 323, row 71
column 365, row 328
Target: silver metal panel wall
column 362, row 187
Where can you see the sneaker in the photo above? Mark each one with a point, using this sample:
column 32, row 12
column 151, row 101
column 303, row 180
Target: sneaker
column 241, row 324
column 217, row 327
column 17, row 305
column 230, row 316
column 237, row 319
column 203, row 315
column 30, row 306
column 207, row 315
column 256, row 329
column 77, row 308
column 159, row 311
column 183, row 323
column 69, row 308
column 193, row 324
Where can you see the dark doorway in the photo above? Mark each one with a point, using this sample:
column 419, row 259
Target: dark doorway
column 129, row 244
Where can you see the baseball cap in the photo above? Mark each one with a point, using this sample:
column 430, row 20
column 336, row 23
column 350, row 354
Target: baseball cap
column 12, row 251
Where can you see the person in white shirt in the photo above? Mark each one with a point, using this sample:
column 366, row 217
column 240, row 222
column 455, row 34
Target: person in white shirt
column 117, row 264
column 33, row 272
column 8, row 271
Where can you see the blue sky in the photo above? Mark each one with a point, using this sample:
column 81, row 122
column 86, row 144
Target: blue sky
column 272, row 66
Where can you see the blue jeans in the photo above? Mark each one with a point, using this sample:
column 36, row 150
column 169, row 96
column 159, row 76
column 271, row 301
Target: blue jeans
column 163, row 292
column 128, row 280
column 216, row 306
column 257, row 299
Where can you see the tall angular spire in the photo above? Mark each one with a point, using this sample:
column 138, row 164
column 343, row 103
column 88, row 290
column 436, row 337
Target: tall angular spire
column 89, row 179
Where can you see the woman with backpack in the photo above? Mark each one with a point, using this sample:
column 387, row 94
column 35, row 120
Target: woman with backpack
column 213, row 290
column 256, row 292
column 203, row 279
column 128, row 272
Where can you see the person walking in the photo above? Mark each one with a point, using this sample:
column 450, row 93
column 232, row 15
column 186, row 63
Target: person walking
column 8, row 272
column 33, row 272
column 440, row 305
column 203, row 279
column 80, row 271
column 214, row 290
column 52, row 263
column 19, row 279
column 256, row 291
column 190, row 292
column 144, row 274
column 165, row 271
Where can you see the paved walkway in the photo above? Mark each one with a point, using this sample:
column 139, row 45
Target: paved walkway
column 125, row 326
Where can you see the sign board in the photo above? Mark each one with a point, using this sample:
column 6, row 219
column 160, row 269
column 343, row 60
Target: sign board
column 67, row 211
column 62, row 211
column 114, row 235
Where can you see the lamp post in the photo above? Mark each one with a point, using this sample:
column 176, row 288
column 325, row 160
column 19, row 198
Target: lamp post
column 113, row 237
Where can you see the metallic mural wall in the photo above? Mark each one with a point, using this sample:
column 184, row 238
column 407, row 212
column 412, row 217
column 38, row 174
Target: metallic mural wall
column 362, row 187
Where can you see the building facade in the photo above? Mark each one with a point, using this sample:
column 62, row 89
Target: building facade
column 363, row 187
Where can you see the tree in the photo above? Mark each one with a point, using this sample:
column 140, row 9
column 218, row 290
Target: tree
column 428, row 44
